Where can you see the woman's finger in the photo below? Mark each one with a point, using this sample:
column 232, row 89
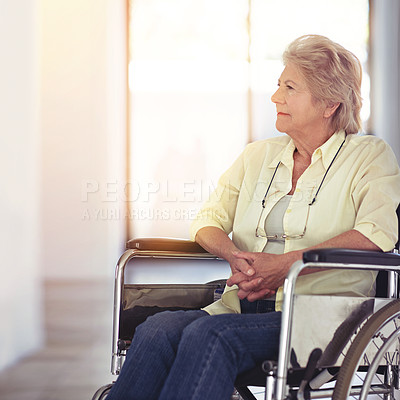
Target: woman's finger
column 242, row 294
column 244, row 255
column 237, row 278
column 251, row 285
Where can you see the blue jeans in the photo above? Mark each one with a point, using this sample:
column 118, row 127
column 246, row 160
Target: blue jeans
column 188, row 355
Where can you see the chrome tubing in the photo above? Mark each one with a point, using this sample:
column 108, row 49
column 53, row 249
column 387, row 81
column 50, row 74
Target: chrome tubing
column 117, row 357
column 281, row 389
column 118, row 286
column 393, row 289
column 286, row 330
column 327, row 393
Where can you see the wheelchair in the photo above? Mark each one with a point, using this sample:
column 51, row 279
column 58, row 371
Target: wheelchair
column 337, row 348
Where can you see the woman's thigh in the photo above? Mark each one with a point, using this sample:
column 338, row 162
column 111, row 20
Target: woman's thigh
column 251, row 337
column 167, row 324
column 214, row 350
column 152, row 354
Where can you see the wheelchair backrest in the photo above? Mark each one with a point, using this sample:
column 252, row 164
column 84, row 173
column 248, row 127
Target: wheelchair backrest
column 382, row 278
column 398, row 227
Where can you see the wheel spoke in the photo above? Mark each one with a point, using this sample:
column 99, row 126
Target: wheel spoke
column 372, row 347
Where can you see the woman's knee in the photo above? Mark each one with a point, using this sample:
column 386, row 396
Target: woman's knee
column 158, row 322
column 170, row 323
column 202, row 330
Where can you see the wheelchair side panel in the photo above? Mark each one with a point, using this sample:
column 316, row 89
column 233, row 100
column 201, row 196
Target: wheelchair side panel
column 329, row 323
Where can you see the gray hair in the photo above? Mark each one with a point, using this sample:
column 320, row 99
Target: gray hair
column 332, row 74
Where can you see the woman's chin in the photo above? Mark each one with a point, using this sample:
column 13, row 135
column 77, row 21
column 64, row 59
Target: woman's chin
column 280, row 127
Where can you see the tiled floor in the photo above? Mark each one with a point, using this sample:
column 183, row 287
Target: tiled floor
column 76, row 359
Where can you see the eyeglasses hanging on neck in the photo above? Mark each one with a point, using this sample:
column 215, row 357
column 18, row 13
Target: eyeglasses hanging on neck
column 312, row 202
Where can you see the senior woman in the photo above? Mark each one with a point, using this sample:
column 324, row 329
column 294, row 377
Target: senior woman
column 320, row 185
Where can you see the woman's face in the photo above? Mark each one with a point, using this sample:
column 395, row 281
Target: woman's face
column 297, row 112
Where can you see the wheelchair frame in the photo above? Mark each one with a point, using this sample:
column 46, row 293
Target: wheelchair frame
column 275, row 374
column 279, row 387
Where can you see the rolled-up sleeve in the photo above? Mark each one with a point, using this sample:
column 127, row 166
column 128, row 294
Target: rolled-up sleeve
column 219, row 210
column 376, row 196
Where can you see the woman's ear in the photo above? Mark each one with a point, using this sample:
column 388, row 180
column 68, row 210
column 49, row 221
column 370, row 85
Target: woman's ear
column 330, row 109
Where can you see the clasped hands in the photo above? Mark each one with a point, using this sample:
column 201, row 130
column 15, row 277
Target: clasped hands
column 258, row 275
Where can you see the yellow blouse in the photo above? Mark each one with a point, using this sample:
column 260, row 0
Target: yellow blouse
column 361, row 191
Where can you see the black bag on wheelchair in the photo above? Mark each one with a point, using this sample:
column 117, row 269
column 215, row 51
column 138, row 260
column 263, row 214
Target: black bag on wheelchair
column 142, row 301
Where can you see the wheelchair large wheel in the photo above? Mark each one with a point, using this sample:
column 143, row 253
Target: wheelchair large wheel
column 381, row 376
column 102, row 393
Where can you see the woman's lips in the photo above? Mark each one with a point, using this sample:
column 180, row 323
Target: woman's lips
column 282, row 113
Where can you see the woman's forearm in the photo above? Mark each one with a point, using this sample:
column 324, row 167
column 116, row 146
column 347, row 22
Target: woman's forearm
column 347, row 240
column 217, row 242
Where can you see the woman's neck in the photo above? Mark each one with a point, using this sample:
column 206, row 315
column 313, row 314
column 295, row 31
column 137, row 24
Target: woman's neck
column 307, row 144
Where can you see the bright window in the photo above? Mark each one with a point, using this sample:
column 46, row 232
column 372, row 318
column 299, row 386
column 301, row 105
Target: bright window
column 201, row 74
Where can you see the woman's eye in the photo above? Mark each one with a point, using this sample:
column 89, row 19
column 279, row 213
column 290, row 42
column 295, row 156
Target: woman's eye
column 289, row 87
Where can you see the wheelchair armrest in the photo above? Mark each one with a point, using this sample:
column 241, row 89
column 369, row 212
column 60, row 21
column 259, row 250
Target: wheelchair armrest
column 165, row 244
column 348, row 256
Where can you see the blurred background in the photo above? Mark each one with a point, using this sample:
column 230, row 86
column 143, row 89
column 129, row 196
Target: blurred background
column 117, row 118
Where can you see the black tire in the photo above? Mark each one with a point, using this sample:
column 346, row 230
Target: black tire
column 387, row 317
column 103, row 392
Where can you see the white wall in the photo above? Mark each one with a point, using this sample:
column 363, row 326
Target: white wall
column 83, row 120
column 385, row 86
column 20, row 289
column 62, row 124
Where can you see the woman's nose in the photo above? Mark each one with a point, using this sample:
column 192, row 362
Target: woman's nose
column 276, row 97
